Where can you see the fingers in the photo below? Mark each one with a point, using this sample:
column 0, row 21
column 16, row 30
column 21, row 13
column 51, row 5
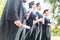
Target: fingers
column 18, row 23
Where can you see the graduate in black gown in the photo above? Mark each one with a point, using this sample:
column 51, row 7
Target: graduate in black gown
column 39, row 24
column 46, row 27
column 25, row 12
column 31, row 21
column 11, row 20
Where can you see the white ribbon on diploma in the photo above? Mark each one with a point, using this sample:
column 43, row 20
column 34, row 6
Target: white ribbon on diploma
column 25, row 26
column 40, row 19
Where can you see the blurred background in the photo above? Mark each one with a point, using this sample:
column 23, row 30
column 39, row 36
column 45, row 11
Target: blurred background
column 54, row 6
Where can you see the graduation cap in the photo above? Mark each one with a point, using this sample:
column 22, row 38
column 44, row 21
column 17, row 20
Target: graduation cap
column 45, row 11
column 24, row 1
column 31, row 3
column 37, row 4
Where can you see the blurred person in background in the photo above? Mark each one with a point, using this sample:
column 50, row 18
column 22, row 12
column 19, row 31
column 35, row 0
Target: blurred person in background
column 11, row 21
column 39, row 24
column 46, row 27
column 32, row 20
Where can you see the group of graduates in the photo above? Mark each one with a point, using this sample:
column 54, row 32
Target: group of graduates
column 38, row 22
column 15, row 18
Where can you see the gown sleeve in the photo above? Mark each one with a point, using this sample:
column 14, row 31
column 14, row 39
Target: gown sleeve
column 12, row 10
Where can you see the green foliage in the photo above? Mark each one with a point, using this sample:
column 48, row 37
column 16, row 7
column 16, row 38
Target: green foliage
column 56, row 31
column 55, row 5
column 2, row 4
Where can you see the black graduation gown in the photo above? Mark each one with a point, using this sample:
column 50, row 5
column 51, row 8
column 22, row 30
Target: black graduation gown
column 32, row 16
column 10, row 14
column 22, row 34
column 46, row 30
column 30, row 33
column 0, row 31
column 39, row 27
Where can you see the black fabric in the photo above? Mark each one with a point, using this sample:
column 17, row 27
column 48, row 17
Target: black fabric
column 38, row 3
column 0, row 31
column 30, row 34
column 39, row 15
column 29, row 22
column 46, row 30
column 36, row 30
column 39, row 27
column 11, row 14
column 31, row 3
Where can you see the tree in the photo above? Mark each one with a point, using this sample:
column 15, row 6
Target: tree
column 55, row 9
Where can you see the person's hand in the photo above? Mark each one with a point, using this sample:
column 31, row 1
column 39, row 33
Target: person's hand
column 50, row 24
column 18, row 23
column 42, row 21
column 35, row 21
column 36, row 18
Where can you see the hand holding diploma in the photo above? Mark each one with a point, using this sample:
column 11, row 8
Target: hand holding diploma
column 39, row 20
column 25, row 26
column 51, row 24
column 19, row 24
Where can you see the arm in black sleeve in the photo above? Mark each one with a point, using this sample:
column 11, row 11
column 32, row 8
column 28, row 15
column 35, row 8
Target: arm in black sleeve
column 12, row 7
